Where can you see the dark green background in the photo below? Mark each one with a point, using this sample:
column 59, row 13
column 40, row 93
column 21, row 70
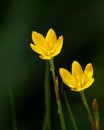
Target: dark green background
column 82, row 25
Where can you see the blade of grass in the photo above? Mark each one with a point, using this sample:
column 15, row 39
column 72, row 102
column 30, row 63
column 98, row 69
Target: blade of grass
column 11, row 98
column 70, row 112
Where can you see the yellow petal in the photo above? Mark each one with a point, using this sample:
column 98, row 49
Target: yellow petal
column 88, row 73
column 37, row 38
column 58, row 46
column 89, row 83
column 76, row 89
column 51, row 38
column 36, row 48
column 77, row 71
column 89, row 70
column 67, row 78
column 45, row 57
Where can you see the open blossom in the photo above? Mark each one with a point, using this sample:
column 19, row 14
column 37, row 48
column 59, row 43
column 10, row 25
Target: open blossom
column 79, row 79
column 47, row 47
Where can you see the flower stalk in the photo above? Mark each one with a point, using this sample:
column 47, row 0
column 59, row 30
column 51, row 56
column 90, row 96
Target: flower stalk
column 58, row 101
column 47, row 118
column 84, row 101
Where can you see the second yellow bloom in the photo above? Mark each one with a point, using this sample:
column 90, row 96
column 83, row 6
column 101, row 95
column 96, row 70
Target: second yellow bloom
column 79, row 79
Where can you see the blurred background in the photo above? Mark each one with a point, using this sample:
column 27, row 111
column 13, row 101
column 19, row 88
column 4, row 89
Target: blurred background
column 82, row 25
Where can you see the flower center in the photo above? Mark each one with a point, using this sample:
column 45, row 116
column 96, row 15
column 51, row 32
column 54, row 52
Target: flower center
column 49, row 53
column 79, row 84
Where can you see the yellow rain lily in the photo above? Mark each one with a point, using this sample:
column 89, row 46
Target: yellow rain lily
column 79, row 79
column 49, row 46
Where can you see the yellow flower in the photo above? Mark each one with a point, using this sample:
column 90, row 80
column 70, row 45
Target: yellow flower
column 49, row 46
column 79, row 79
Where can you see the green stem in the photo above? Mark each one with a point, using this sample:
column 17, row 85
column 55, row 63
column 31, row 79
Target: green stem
column 58, row 101
column 12, row 109
column 70, row 112
column 84, row 100
column 47, row 118
column 44, row 127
